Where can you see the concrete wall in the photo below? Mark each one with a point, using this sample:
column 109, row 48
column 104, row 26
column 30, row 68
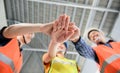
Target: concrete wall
column 2, row 14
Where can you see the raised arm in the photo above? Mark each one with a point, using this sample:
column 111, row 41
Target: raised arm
column 24, row 28
column 81, row 46
column 58, row 36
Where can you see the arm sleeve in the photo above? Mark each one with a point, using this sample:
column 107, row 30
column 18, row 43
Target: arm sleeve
column 85, row 50
column 3, row 40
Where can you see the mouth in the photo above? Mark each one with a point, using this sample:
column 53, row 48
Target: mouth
column 96, row 38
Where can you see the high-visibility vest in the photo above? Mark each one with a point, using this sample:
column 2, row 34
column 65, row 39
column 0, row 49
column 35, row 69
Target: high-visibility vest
column 62, row 65
column 10, row 57
column 109, row 58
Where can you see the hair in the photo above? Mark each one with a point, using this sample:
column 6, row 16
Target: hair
column 91, row 31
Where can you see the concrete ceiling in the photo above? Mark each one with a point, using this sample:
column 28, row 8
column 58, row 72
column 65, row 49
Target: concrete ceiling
column 100, row 14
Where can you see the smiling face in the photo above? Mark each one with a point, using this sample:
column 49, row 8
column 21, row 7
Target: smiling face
column 96, row 36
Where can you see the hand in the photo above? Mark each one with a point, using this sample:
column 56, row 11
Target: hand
column 76, row 34
column 59, row 35
column 63, row 23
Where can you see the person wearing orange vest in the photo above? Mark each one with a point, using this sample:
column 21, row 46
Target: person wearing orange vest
column 54, row 60
column 13, row 37
column 106, row 54
column 10, row 54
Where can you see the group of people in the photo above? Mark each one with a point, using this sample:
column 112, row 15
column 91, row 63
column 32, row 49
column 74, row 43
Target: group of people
column 106, row 53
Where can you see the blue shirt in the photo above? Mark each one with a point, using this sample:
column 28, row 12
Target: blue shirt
column 87, row 51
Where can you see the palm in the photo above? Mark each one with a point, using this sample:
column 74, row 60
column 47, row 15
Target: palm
column 60, row 36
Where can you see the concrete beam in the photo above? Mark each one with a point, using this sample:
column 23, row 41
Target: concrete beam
column 105, row 14
column 77, row 5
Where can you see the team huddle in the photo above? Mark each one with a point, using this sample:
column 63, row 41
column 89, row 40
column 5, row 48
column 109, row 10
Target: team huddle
column 106, row 53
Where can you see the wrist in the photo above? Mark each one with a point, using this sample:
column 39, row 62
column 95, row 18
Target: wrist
column 46, row 28
column 76, row 39
column 41, row 28
column 54, row 42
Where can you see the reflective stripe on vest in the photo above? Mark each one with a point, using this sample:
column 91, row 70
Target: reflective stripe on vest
column 108, row 61
column 6, row 60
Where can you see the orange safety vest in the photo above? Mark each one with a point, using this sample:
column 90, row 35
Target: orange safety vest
column 10, row 58
column 109, row 59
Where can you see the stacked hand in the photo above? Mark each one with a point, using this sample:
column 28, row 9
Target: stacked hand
column 76, row 34
column 64, row 30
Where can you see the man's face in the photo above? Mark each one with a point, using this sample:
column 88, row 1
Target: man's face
column 96, row 36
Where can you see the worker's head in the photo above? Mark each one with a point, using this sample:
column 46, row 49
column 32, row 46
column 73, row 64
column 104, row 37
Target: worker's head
column 96, row 36
column 62, row 48
column 25, row 39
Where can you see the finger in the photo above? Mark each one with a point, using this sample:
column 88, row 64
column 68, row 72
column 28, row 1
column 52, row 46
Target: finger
column 63, row 37
column 60, row 20
column 72, row 26
column 63, row 21
column 67, row 23
column 71, row 29
column 55, row 26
